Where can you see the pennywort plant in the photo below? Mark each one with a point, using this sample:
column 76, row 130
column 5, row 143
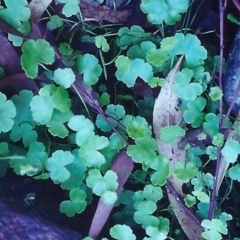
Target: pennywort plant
column 74, row 126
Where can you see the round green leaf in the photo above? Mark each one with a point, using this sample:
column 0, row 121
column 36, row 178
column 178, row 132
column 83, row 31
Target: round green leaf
column 70, row 7
column 56, row 165
column 185, row 171
column 88, row 66
column 171, row 133
column 109, row 197
column 122, row 232
column 76, row 204
column 7, row 113
column 231, row 150
column 164, row 10
column 215, row 224
column 34, row 53
column 64, row 77
column 234, row 172
column 16, row 12
column 215, row 93
column 101, row 42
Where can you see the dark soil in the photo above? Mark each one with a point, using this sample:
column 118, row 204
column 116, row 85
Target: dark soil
column 16, row 191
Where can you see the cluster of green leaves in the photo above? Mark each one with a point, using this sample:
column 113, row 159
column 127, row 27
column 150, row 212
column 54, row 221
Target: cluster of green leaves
column 80, row 161
column 16, row 12
column 168, row 11
column 145, row 203
column 215, row 228
column 190, row 85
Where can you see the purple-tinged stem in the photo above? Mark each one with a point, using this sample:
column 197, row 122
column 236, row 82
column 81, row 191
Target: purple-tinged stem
column 213, row 200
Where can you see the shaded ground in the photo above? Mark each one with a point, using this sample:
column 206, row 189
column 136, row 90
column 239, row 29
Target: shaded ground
column 30, row 206
column 17, row 223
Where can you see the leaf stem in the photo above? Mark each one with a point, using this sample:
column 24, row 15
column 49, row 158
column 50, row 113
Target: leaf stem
column 213, row 200
column 184, row 208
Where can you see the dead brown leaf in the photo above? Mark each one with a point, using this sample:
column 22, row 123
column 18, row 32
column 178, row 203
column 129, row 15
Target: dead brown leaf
column 7, row 28
column 166, row 113
column 9, row 59
column 122, row 166
column 224, row 164
column 38, row 7
column 103, row 13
